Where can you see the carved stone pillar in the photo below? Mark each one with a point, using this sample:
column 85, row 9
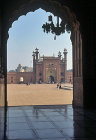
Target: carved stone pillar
column 77, row 67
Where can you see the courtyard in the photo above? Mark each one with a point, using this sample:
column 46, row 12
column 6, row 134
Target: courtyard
column 38, row 94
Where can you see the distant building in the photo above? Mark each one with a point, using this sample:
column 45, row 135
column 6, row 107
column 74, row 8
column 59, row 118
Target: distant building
column 49, row 69
column 19, row 68
column 28, row 69
column 46, row 69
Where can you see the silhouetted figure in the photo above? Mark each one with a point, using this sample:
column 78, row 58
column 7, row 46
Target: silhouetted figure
column 60, row 86
column 57, row 85
column 28, row 83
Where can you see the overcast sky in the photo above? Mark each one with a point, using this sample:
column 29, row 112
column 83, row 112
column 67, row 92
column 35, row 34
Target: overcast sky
column 26, row 34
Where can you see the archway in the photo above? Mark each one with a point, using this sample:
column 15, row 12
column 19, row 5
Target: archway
column 51, row 79
column 64, row 12
column 71, row 25
column 81, row 8
column 48, row 61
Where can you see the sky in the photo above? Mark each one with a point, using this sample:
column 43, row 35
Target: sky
column 26, row 34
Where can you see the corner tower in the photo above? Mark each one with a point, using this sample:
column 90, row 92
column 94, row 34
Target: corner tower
column 65, row 64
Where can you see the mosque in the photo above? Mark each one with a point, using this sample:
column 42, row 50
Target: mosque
column 46, row 69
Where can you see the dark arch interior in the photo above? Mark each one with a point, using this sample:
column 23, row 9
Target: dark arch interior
column 51, row 78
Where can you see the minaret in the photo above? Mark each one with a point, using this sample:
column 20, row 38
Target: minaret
column 65, row 55
column 35, row 61
column 33, row 55
column 59, row 54
column 33, row 58
column 65, row 64
column 36, row 52
column 34, row 66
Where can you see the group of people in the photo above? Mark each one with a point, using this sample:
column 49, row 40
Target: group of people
column 59, row 85
column 28, row 83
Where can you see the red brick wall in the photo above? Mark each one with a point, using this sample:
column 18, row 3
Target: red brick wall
column 39, row 69
column 11, row 74
column 56, row 66
column 69, row 74
column 27, row 76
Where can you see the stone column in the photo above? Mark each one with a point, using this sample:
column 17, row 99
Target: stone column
column 77, row 67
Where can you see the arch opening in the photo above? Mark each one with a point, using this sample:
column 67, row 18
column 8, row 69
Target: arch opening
column 72, row 25
column 54, row 61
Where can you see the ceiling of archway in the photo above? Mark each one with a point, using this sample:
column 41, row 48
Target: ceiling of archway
column 54, row 7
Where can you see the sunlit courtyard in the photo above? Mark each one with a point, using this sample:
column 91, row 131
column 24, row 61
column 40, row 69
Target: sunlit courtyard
column 39, row 94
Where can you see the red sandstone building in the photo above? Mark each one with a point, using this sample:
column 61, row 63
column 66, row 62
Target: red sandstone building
column 46, row 69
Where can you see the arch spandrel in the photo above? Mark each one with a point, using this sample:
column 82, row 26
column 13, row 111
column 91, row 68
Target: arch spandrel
column 49, row 6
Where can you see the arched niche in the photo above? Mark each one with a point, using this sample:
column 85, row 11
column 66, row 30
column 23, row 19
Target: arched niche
column 72, row 25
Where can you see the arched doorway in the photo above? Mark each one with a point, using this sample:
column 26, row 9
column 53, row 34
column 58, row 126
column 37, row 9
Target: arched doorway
column 51, row 79
column 71, row 25
column 43, row 67
column 82, row 8
column 75, row 37
column 51, row 76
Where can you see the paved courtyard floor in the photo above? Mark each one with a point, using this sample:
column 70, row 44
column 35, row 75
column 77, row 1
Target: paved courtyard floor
column 38, row 94
column 61, row 122
column 37, row 112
